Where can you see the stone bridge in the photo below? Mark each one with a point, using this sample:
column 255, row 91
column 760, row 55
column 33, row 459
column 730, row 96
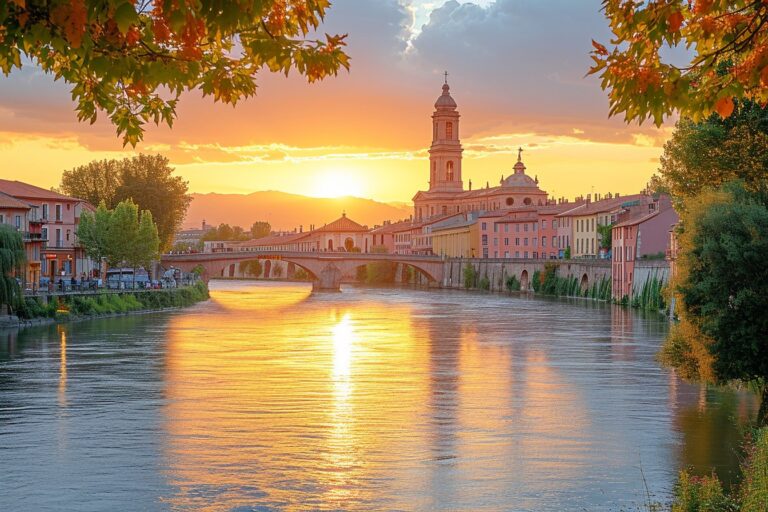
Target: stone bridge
column 326, row 269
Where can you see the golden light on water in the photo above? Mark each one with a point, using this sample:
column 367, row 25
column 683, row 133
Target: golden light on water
column 62, row 367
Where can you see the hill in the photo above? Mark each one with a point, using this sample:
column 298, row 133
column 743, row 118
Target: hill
column 286, row 211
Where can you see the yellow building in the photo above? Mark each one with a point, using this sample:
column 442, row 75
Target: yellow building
column 585, row 219
column 456, row 240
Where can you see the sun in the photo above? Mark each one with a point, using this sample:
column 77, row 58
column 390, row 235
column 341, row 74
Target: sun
column 336, row 183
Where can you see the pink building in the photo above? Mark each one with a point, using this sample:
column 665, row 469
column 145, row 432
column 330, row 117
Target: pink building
column 446, row 194
column 23, row 217
column 639, row 233
column 59, row 216
column 385, row 238
column 525, row 232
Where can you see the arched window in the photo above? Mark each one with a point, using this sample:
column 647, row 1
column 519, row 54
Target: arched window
column 449, row 171
column 527, row 201
column 449, row 130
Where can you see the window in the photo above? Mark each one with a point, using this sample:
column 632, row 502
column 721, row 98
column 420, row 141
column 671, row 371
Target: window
column 485, row 252
column 527, row 201
column 496, row 241
column 449, row 130
column 495, row 228
column 485, row 226
column 506, row 241
column 517, row 254
column 449, row 170
column 58, row 212
column 517, row 228
column 525, row 227
column 525, row 243
column 506, row 254
column 506, row 228
column 45, row 211
column 2, row 218
column 495, row 254
column 543, row 241
column 510, row 201
column 525, row 254
column 543, row 224
column 68, row 233
column 17, row 222
column 485, row 239
column 58, row 238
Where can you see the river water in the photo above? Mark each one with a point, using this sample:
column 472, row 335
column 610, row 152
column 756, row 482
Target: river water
column 268, row 397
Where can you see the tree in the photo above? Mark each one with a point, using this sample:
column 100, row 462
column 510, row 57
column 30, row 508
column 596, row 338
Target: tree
column 605, row 232
column 726, row 42
column 122, row 235
column 251, row 268
column 12, row 256
column 260, row 229
column 132, row 60
column 147, row 180
column 93, row 232
column 721, row 282
column 94, row 182
column 148, row 242
column 711, row 152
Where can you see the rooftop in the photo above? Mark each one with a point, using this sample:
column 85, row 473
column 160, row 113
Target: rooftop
column 26, row 191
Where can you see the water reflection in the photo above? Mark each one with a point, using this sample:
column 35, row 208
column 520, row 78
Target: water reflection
column 271, row 398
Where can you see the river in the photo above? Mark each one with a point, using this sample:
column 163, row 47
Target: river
column 269, row 397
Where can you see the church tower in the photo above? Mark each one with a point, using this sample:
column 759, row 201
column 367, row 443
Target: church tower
column 445, row 152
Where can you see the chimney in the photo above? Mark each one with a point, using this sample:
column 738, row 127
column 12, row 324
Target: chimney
column 589, row 198
column 617, row 194
column 203, row 224
column 301, row 228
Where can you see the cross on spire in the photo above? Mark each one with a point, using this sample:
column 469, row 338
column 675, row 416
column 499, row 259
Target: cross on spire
column 446, row 78
column 519, row 154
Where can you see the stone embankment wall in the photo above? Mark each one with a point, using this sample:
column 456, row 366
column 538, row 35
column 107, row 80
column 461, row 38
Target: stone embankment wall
column 497, row 271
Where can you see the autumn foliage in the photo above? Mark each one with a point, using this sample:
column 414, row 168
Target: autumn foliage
column 132, row 59
column 725, row 48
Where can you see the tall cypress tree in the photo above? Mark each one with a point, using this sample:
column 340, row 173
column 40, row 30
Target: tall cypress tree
column 12, row 256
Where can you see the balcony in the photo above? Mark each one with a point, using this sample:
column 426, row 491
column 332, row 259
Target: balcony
column 32, row 237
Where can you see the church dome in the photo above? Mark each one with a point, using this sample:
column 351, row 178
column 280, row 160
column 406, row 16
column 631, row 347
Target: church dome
column 519, row 178
column 445, row 101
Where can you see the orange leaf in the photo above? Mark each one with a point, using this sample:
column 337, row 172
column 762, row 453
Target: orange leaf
column 724, row 107
column 601, row 50
column 764, row 77
column 675, row 21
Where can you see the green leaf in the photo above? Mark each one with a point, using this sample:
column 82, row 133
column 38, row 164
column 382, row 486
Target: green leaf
column 125, row 16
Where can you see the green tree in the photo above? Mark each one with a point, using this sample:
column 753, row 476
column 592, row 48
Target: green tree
column 148, row 242
column 148, row 180
column 711, row 152
column 94, row 182
column 724, row 40
column 260, row 229
column 12, row 257
column 721, row 282
column 122, row 235
column 92, row 232
column 133, row 60
column 605, row 234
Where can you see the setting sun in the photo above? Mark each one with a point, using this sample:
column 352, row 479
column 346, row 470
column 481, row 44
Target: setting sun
column 336, row 183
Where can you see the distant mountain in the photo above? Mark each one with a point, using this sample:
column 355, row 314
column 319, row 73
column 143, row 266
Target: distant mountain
column 287, row 211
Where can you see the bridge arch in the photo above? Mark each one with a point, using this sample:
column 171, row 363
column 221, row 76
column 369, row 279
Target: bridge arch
column 584, row 283
column 524, row 281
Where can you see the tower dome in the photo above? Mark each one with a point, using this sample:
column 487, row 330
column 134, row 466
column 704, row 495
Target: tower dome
column 445, row 101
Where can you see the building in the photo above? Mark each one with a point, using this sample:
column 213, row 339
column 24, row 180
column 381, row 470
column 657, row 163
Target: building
column 343, row 234
column 59, row 215
column 23, row 217
column 456, row 237
column 191, row 237
column 446, row 194
column 580, row 224
column 385, row 237
column 641, row 232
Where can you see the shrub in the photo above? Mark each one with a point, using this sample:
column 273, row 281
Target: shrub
column 512, row 284
column 700, row 494
column 470, row 276
column 484, row 284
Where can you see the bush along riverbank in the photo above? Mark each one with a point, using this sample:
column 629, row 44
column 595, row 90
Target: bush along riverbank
column 71, row 307
column 706, row 494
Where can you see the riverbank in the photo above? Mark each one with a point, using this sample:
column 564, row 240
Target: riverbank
column 75, row 307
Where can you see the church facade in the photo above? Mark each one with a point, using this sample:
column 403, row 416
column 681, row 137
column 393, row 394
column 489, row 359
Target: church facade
column 446, row 194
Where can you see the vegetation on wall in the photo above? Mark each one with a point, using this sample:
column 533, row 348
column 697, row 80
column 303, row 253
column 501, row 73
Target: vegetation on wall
column 651, row 296
column 470, row 276
column 512, row 284
column 484, row 283
column 550, row 283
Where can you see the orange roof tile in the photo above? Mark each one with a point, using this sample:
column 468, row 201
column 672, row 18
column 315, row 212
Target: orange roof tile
column 26, row 191
column 7, row 201
column 342, row 225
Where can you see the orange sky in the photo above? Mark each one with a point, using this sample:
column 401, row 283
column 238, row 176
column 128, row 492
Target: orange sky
column 516, row 71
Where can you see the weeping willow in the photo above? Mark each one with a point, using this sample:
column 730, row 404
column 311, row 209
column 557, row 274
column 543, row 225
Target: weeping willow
column 12, row 257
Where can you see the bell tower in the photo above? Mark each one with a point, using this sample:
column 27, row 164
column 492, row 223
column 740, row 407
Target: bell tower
column 445, row 152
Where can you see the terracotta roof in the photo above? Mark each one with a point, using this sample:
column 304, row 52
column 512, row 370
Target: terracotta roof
column 7, row 201
column 637, row 220
column 601, row 206
column 342, row 225
column 396, row 227
column 26, row 191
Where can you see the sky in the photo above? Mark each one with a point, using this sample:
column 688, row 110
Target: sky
column 516, row 69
